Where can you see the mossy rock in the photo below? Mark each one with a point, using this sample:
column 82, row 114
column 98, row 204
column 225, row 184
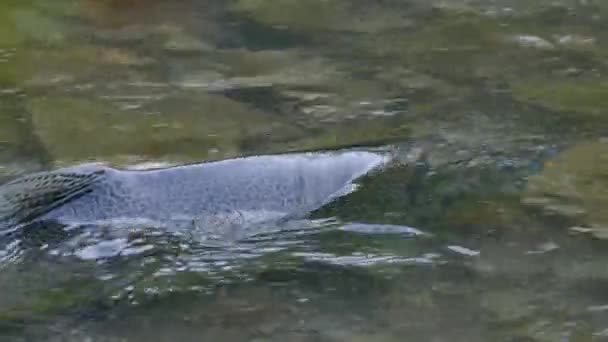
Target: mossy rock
column 575, row 184
column 38, row 28
column 9, row 34
column 368, row 132
column 496, row 212
column 297, row 15
column 457, row 46
column 11, row 126
column 33, row 21
column 46, row 290
column 470, row 48
column 37, row 68
column 235, row 69
column 508, row 306
column 333, row 16
column 586, row 96
column 112, row 13
column 81, row 129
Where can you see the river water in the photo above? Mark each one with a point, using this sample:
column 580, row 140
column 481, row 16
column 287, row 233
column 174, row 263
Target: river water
column 493, row 229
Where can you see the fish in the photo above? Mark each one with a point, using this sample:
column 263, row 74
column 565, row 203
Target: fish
column 247, row 190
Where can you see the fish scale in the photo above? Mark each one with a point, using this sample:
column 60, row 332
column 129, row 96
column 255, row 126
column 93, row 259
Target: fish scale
column 33, row 195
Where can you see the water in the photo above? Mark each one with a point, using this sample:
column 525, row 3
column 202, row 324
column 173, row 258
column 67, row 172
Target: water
column 493, row 229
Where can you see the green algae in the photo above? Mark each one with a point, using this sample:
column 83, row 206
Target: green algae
column 575, row 184
column 46, row 293
column 298, row 15
column 103, row 130
column 581, row 96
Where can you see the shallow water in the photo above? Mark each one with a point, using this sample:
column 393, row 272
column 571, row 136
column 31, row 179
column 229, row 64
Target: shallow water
column 492, row 228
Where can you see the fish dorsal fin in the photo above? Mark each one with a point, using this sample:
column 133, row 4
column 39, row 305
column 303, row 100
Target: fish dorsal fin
column 30, row 196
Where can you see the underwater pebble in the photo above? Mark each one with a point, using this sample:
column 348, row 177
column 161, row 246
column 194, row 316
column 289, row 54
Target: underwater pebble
column 580, row 230
column 381, row 229
column 463, row 250
column 573, row 40
column 544, row 248
column 603, row 333
column 598, row 308
column 532, row 41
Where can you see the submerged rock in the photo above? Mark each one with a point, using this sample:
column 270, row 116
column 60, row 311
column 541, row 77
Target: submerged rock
column 181, row 42
column 575, row 184
column 188, row 129
column 584, row 96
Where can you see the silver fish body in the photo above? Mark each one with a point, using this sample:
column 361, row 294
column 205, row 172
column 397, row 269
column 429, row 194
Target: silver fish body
column 257, row 188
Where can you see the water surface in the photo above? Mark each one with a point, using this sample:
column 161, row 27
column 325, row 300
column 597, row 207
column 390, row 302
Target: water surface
column 492, row 229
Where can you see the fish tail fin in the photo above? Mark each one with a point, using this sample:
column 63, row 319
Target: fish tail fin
column 30, row 196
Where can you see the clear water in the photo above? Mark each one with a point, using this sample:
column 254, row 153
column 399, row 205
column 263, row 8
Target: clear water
column 493, row 231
